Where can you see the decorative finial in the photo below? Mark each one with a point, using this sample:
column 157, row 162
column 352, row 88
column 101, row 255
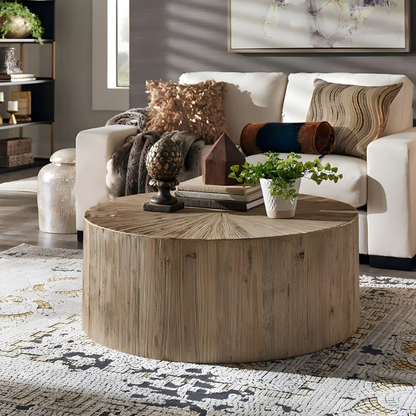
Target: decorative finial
column 164, row 163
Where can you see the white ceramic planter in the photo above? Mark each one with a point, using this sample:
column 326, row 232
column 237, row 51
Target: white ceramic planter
column 276, row 206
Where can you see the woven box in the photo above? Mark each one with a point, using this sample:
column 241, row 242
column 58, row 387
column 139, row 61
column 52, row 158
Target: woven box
column 15, row 146
column 16, row 160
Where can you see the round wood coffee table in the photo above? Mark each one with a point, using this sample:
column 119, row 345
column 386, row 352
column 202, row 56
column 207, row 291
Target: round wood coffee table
column 209, row 286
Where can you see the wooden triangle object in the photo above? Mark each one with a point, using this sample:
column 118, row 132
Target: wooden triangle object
column 217, row 163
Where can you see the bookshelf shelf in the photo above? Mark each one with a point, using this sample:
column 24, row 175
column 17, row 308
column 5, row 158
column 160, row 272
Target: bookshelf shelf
column 29, row 40
column 36, row 81
column 42, row 88
column 6, row 126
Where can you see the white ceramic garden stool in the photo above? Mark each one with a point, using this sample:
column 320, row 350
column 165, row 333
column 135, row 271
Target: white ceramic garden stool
column 56, row 194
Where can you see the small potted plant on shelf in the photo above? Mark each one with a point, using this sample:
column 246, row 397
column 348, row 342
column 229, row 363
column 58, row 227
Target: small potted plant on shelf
column 280, row 180
column 17, row 22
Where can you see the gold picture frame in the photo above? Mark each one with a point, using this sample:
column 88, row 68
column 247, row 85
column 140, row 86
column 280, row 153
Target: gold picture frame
column 24, row 99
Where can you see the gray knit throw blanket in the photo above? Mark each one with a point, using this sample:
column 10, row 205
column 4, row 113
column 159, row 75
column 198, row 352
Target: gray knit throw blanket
column 129, row 161
column 134, row 117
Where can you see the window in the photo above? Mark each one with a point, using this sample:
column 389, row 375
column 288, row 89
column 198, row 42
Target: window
column 110, row 58
column 123, row 42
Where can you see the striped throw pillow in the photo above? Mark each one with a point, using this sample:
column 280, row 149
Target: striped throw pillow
column 358, row 114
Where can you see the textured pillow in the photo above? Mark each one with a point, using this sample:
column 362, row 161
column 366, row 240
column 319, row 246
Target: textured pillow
column 358, row 114
column 188, row 107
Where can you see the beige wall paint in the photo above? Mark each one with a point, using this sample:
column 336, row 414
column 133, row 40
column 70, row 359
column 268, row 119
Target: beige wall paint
column 73, row 93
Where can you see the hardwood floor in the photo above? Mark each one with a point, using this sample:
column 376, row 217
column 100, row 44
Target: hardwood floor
column 19, row 224
column 19, row 218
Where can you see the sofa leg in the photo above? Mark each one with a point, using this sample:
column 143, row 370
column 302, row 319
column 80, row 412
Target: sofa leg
column 393, row 263
column 80, row 236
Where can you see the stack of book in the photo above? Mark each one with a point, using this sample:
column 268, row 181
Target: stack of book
column 17, row 77
column 194, row 193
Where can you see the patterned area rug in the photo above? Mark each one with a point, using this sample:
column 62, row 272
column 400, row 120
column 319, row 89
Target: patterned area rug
column 21, row 185
column 49, row 367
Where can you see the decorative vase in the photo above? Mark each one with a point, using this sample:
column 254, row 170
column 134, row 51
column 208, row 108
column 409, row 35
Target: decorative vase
column 276, row 206
column 8, row 63
column 20, row 28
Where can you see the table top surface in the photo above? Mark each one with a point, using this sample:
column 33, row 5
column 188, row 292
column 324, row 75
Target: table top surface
column 126, row 215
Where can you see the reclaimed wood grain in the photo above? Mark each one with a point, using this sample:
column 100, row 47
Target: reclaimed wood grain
column 214, row 287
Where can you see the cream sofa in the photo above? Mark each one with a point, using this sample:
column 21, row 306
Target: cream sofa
column 383, row 188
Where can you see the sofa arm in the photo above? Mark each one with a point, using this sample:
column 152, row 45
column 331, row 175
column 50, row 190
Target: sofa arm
column 391, row 209
column 94, row 148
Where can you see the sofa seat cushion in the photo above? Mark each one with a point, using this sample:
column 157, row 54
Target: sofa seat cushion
column 300, row 88
column 351, row 189
column 250, row 97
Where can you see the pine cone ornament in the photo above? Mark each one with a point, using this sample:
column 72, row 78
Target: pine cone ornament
column 164, row 163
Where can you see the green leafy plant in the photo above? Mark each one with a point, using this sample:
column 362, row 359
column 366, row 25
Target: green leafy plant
column 10, row 9
column 284, row 173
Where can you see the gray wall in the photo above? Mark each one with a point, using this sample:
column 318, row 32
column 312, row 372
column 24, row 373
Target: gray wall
column 169, row 37
column 74, row 72
column 73, row 94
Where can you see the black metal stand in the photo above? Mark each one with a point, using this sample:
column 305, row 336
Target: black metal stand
column 163, row 201
column 149, row 206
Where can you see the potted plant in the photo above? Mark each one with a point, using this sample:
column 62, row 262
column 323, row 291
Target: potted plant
column 280, row 180
column 17, row 21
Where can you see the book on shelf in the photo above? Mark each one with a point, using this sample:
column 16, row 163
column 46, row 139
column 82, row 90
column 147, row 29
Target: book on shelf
column 197, row 185
column 17, row 77
column 218, row 196
column 20, row 80
column 220, row 204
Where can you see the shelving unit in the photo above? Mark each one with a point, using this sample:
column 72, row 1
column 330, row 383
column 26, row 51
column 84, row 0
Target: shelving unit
column 42, row 89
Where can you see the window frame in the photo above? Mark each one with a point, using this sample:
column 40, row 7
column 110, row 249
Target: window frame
column 106, row 95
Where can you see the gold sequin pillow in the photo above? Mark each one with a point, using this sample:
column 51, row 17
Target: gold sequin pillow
column 188, row 107
column 358, row 114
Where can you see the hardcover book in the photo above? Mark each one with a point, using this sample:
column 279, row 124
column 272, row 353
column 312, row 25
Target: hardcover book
column 16, row 77
column 217, row 196
column 197, row 185
column 220, row 204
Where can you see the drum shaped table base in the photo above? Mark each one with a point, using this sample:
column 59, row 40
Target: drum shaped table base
column 210, row 286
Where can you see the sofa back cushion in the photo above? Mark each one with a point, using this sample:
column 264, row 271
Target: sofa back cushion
column 300, row 88
column 250, row 97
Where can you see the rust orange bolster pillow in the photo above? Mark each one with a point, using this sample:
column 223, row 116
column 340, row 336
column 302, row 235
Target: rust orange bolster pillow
column 316, row 138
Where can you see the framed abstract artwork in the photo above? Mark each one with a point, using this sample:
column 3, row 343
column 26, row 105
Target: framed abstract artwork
column 290, row 26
